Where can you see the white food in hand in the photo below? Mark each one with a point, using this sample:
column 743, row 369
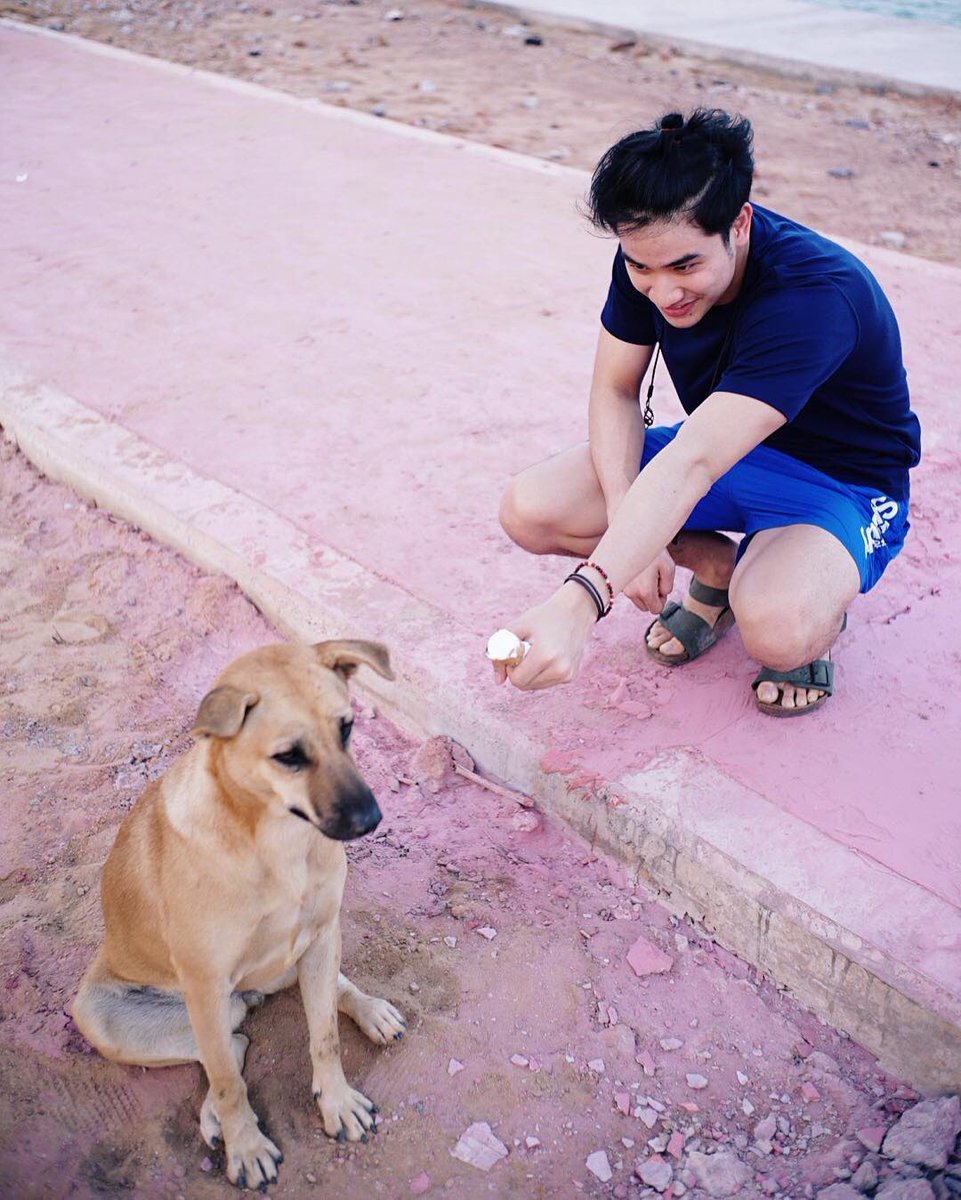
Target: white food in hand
column 506, row 647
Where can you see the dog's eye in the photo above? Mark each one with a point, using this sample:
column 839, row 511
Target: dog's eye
column 346, row 725
column 293, row 759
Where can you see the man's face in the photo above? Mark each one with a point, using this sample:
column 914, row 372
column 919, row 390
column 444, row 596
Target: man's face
column 685, row 271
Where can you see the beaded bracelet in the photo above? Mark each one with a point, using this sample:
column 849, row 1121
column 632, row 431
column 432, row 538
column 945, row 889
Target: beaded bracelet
column 603, row 574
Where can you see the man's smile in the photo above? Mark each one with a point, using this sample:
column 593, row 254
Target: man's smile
column 676, row 311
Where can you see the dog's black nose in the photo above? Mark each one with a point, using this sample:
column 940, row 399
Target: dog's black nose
column 356, row 814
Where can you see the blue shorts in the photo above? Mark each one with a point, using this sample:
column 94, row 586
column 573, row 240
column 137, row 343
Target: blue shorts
column 769, row 490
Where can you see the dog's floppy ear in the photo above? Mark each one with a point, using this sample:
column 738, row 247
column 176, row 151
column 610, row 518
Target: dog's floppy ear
column 346, row 656
column 222, row 711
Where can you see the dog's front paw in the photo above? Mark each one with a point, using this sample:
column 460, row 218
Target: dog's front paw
column 347, row 1114
column 251, row 1159
column 378, row 1019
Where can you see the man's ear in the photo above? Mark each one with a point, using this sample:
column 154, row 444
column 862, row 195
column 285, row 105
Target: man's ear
column 347, row 655
column 741, row 229
column 223, row 711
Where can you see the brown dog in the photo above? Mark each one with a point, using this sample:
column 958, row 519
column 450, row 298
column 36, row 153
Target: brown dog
column 217, row 890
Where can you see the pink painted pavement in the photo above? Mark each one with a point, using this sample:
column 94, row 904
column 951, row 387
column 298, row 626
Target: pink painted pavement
column 366, row 330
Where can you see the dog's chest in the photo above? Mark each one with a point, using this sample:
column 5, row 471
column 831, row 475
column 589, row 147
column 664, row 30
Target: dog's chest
column 294, row 925
column 299, row 911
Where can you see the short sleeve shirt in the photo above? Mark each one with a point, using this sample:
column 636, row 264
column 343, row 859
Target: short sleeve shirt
column 812, row 334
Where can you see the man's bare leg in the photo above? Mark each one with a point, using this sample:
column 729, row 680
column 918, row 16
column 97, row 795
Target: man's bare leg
column 798, row 579
column 556, row 506
column 790, row 592
column 711, row 557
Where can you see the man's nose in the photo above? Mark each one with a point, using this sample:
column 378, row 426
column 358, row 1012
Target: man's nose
column 665, row 293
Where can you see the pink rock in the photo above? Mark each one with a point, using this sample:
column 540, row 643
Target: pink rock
column 645, row 1060
column 689, row 1106
column 622, row 1102
column 675, row 1144
column 419, row 1184
column 655, row 1171
column 809, row 1092
column 599, row 1166
column 432, row 764
column 872, row 1137
column 644, row 958
column 479, row 1147
column 525, row 821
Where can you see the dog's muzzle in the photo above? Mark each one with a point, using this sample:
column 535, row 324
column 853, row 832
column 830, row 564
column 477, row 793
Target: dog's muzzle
column 357, row 813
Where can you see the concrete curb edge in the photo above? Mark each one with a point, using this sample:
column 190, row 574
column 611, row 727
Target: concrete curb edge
column 908, row 1015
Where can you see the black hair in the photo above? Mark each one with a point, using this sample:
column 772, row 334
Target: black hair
column 701, row 168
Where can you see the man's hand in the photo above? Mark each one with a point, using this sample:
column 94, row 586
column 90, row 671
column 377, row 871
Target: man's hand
column 650, row 589
column 558, row 631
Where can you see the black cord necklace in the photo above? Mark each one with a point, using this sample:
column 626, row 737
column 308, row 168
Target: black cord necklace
column 718, row 368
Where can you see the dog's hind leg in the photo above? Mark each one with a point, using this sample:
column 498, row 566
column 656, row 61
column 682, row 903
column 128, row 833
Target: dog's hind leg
column 143, row 1026
column 378, row 1019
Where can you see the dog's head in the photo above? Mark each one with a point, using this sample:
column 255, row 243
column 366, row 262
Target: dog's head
column 279, row 720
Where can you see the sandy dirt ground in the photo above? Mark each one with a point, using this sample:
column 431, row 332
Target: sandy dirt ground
column 865, row 163
column 508, row 944
column 504, row 940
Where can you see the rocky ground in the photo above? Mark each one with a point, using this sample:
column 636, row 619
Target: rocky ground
column 865, row 163
column 568, row 1035
column 592, row 1043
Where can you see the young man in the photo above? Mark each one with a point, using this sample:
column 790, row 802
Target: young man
column 799, row 434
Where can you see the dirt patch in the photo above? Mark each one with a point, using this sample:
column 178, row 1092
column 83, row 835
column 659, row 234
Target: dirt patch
column 861, row 162
column 502, row 938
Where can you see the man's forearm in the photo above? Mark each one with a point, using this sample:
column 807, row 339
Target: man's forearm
column 616, row 433
column 655, row 507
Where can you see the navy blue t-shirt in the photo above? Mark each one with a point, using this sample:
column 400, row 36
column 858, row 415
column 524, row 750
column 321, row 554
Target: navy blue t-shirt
column 813, row 335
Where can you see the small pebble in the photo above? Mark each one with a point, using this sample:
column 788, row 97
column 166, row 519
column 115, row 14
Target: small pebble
column 599, row 1166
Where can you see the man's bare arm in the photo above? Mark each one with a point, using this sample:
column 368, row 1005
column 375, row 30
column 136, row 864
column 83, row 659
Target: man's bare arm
column 616, row 427
column 714, row 437
column 718, row 434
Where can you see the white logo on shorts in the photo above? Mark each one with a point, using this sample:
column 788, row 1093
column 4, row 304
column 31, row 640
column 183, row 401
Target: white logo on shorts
column 885, row 510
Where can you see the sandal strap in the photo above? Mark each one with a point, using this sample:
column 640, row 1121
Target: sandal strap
column 818, row 674
column 712, row 596
column 692, row 631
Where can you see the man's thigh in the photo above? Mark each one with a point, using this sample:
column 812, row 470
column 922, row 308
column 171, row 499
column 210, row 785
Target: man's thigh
column 800, row 571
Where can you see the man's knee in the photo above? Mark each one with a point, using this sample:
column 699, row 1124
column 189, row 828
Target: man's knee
column 525, row 518
column 778, row 635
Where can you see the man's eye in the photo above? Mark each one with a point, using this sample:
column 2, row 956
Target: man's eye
column 346, row 726
column 293, row 759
